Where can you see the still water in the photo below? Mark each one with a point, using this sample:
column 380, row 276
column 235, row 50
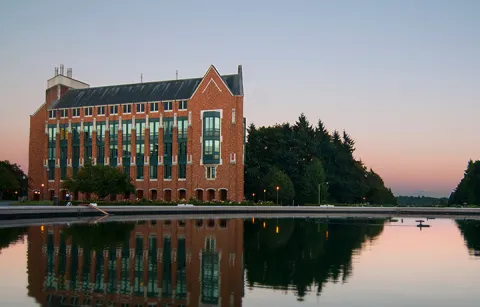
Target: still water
column 235, row 262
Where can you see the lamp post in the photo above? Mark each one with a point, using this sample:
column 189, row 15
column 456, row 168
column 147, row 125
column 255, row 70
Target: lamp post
column 22, row 188
column 42, row 190
column 277, row 188
column 253, row 195
column 264, row 193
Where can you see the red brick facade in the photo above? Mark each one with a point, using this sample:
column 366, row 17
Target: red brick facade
column 212, row 94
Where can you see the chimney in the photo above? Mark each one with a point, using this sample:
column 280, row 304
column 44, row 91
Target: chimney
column 240, row 79
column 56, row 71
column 69, row 72
column 61, row 69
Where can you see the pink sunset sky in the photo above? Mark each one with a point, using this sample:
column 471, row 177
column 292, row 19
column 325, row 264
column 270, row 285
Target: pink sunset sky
column 401, row 77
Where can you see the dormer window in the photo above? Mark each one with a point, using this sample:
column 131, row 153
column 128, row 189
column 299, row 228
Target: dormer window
column 182, row 105
column 88, row 111
column 140, row 108
column 154, row 107
column 167, row 106
column 113, row 110
column 52, row 114
column 101, row 111
column 127, row 108
column 64, row 113
column 76, row 112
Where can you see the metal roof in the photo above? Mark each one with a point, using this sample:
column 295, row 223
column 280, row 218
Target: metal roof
column 140, row 92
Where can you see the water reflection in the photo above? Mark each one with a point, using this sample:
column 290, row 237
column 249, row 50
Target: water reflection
column 470, row 230
column 303, row 254
column 9, row 236
column 178, row 263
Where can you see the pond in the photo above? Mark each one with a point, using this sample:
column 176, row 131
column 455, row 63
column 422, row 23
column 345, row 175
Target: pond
column 243, row 262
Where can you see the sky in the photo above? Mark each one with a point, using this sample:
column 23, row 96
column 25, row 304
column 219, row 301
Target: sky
column 401, row 77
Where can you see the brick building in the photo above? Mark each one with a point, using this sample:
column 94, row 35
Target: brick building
column 162, row 263
column 177, row 139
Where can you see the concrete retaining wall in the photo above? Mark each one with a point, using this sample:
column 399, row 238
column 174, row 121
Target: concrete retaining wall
column 32, row 212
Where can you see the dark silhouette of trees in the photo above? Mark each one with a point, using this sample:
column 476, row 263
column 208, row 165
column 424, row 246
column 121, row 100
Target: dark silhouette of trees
column 314, row 160
column 468, row 190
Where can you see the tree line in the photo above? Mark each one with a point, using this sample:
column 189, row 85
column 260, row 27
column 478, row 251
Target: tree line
column 303, row 164
column 468, row 189
column 423, row 201
column 13, row 181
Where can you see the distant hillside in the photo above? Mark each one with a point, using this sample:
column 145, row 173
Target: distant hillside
column 421, row 201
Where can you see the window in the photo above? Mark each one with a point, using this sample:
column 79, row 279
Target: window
column 88, row 111
column 167, row 106
column 212, row 126
column 167, row 174
column 182, row 105
column 182, row 127
column 64, row 113
column 211, row 149
column 140, row 108
column 182, row 171
column 139, row 171
column 153, row 171
column 211, row 172
column 127, row 108
column 154, row 107
column 52, row 114
column 168, row 127
column 76, row 112
column 100, row 110
column 113, row 110
column 211, row 137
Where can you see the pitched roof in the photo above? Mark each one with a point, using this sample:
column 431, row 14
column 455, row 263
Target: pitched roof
column 140, row 92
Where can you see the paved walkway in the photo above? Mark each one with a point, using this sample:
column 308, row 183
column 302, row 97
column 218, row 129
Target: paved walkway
column 7, row 202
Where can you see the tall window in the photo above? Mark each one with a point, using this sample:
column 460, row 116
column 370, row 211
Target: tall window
column 211, row 137
column 52, row 148
column 182, row 127
column 153, row 125
column 140, row 147
column 101, row 142
column 167, row 147
column 113, row 133
column 126, row 144
column 75, row 147
column 63, row 150
column 87, row 141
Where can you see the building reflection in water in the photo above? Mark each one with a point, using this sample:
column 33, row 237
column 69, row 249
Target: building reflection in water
column 156, row 263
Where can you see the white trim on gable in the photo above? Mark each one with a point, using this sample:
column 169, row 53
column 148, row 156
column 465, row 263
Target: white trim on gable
column 203, row 79
column 211, row 80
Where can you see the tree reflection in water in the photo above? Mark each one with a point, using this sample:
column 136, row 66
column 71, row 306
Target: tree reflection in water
column 304, row 253
column 9, row 236
column 470, row 230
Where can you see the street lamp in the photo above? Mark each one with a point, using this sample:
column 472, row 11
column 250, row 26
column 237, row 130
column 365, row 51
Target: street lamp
column 42, row 190
column 253, row 195
column 278, row 188
column 264, row 193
